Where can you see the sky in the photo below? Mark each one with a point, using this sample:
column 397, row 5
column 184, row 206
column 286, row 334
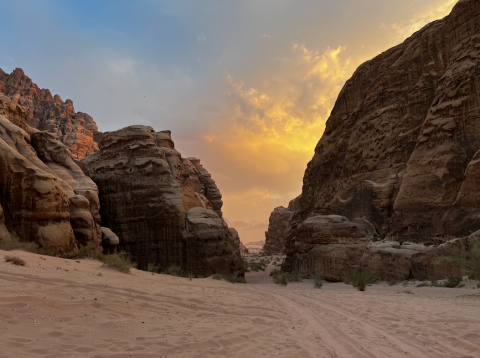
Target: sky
column 246, row 86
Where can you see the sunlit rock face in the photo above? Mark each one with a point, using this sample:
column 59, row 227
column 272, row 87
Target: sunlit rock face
column 146, row 190
column 399, row 148
column 46, row 196
column 50, row 113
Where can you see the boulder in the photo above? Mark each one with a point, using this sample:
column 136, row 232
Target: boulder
column 110, row 241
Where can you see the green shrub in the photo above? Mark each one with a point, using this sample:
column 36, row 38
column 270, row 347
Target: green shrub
column 258, row 266
column 319, row 275
column 463, row 256
column 90, row 251
column 16, row 244
column 433, row 281
column 121, row 262
column 392, row 282
column 174, row 270
column 151, row 267
column 15, row 260
column 360, row 280
column 275, row 272
column 452, row 281
column 293, row 276
column 280, row 279
column 246, row 266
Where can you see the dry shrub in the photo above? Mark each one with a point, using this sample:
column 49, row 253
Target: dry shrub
column 15, row 260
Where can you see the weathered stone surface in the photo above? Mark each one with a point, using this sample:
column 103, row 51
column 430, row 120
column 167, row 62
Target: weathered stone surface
column 344, row 246
column 236, row 238
column 81, row 190
column 145, row 193
column 50, row 113
column 279, row 224
column 35, row 205
column 4, row 234
column 110, row 241
column 399, row 147
column 208, row 187
column 211, row 247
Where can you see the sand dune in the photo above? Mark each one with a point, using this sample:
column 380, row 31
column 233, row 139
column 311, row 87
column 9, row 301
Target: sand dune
column 62, row 308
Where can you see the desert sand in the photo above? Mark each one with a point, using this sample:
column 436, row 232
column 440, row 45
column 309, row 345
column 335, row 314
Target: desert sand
column 55, row 307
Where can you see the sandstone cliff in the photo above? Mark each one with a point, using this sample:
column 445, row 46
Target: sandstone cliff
column 50, row 113
column 400, row 147
column 45, row 195
column 151, row 198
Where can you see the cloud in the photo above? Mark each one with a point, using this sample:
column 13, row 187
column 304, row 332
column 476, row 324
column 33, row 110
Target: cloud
column 406, row 29
column 266, row 36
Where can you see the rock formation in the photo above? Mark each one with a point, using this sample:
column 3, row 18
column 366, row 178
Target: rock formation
column 4, row 234
column 110, row 241
column 44, row 192
column 279, row 224
column 400, row 148
column 146, row 193
column 50, row 113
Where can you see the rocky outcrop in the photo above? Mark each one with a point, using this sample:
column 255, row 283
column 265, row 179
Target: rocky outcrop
column 208, row 188
column 344, row 246
column 4, row 234
column 238, row 243
column 146, row 191
column 210, row 246
column 278, row 228
column 399, row 148
column 82, row 192
column 35, row 205
column 46, row 196
column 279, row 224
column 110, row 241
column 50, row 113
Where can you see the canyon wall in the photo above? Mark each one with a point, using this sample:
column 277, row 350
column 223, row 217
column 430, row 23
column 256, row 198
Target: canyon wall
column 400, row 149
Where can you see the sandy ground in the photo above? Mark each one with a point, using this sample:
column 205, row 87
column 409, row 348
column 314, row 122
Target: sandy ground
column 62, row 308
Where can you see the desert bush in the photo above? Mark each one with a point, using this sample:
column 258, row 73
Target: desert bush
column 121, row 262
column 463, row 256
column 246, row 266
column 229, row 278
column 258, row 266
column 275, row 272
column 453, row 281
column 15, row 260
column 16, row 244
column 360, row 280
column 293, row 276
column 319, row 275
column 280, row 279
column 392, row 282
column 90, row 251
column 151, row 267
column 174, row 270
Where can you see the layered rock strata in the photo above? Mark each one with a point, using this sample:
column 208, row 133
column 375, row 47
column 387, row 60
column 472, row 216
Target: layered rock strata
column 400, row 147
column 46, row 196
column 146, row 191
column 278, row 226
column 50, row 113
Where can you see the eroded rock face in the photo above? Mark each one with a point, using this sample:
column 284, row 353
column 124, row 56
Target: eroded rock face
column 344, row 246
column 35, row 205
column 211, row 247
column 50, row 113
column 278, row 226
column 110, row 241
column 399, row 148
column 4, row 234
column 82, row 192
column 146, row 191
